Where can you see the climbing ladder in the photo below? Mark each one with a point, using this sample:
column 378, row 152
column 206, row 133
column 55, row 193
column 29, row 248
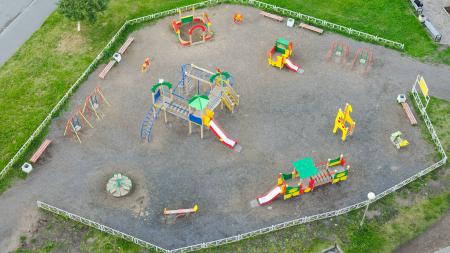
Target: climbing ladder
column 148, row 122
column 230, row 98
column 191, row 73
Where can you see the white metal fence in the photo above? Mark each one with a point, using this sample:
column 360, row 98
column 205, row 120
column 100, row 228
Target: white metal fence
column 198, row 5
column 239, row 237
column 275, row 227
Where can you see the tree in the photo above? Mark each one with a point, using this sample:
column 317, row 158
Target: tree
column 79, row 10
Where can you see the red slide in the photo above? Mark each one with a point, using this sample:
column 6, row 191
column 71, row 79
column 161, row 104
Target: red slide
column 270, row 196
column 292, row 66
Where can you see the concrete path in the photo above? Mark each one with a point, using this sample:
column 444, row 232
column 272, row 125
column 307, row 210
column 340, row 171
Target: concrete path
column 435, row 239
column 18, row 21
column 434, row 11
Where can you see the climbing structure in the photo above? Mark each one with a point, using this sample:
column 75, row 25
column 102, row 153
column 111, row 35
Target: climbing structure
column 194, row 99
column 344, row 122
column 93, row 102
column 310, row 176
column 363, row 57
column 339, row 52
column 191, row 29
column 278, row 56
column 76, row 122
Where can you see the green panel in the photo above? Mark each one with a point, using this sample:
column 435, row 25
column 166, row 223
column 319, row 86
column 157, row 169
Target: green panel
column 333, row 161
column 305, row 167
column 225, row 76
column 283, row 42
column 169, row 85
column 280, row 50
column 187, row 19
column 286, row 176
column 292, row 189
column 340, row 174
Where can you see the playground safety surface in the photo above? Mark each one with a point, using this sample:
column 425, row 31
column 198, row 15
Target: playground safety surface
column 283, row 117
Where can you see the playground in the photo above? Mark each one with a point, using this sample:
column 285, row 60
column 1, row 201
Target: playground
column 282, row 115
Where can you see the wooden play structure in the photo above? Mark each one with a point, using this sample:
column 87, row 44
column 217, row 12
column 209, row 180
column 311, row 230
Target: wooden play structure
column 401, row 99
column 398, row 141
column 310, row 176
column 76, row 122
column 191, row 29
column 343, row 119
column 93, row 102
column 40, row 150
column 194, row 100
column 179, row 213
column 364, row 58
column 271, row 16
column 278, row 55
column 339, row 52
column 117, row 57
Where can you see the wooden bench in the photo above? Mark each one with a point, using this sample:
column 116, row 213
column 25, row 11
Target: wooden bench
column 409, row 113
column 107, row 69
column 272, row 16
column 311, row 28
column 111, row 63
column 127, row 43
column 40, row 150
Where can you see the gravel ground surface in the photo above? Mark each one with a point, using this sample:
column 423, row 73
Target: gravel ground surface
column 283, row 117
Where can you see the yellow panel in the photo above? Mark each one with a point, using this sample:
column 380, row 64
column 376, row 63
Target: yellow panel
column 295, row 194
column 343, row 178
column 335, row 181
column 287, row 196
column 423, row 87
column 308, row 189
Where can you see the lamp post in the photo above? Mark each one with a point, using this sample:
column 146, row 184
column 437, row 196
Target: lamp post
column 370, row 197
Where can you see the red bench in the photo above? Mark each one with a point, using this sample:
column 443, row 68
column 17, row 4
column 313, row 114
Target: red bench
column 40, row 150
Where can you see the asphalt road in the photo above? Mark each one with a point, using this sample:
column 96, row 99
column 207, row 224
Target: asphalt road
column 18, row 21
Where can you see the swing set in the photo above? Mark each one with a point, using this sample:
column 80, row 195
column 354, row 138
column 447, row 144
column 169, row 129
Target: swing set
column 93, row 101
column 75, row 123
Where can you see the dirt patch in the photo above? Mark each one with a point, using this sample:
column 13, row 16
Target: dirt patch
column 71, row 42
column 136, row 201
column 52, row 234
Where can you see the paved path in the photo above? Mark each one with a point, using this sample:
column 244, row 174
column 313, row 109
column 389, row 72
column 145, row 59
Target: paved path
column 18, row 21
column 435, row 239
column 434, row 11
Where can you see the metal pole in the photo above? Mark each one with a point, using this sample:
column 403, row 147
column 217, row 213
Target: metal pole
column 364, row 215
column 370, row 197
